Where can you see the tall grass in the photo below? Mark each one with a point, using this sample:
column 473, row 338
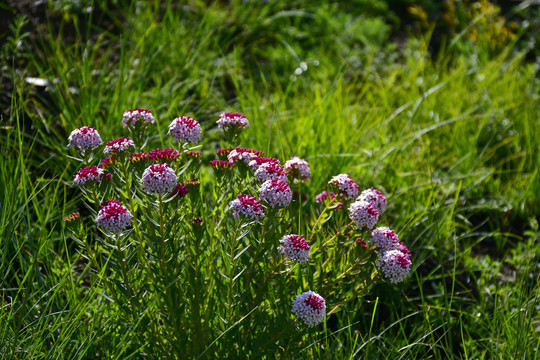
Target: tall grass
column 452, row 142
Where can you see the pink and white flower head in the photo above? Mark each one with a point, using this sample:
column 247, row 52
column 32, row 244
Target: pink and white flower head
column 363, row 214
column 113, row 216
column 84, row 137
column 348, row 189
column 231, row 120
column 90, row 174
column 298, row 169
column 294, row 247
column 119, row 145
column 244, row 155
column 135, row 116
column 185, row 129
column 276, row 193
column 247, row 206
column 258, row 161
column 310, row 307
column 159, row 179
column 401, row 247
column 394, row 265
column 376, row 198
column 271, row 171
column 384, row 238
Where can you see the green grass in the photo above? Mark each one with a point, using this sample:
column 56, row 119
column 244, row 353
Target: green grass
column 452, row 140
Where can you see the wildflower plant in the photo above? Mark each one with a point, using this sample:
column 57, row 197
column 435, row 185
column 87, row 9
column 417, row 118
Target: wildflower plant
column 195, row 251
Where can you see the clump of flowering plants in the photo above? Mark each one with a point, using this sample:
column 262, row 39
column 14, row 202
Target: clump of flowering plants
column 219, row 254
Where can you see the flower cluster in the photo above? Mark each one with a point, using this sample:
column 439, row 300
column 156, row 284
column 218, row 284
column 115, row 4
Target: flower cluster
column 294, row 247
column 193, row 154
column 298, row 169
column 119, row 145
column 113, row 216
column 233, row 120
column 394, row 264
column 247, row 206
column 258, row 161
column 321, row 198
column 107, row 162
column 143, row 116
column 363, row 214
column 72, row 217
column 84, row 137
column 270, row 171
column 180, row 190
column 186, row 202
column 185, row 129
column 384, row 238
column 310, row 307
column 90, row 174
column 401, row 247
column 348, row 189
column 166, row 154
column 159, row 179
column 223, row 153
column 139, row 157
column 276, row 193
column 220, row 164
column 241, row 154
column 376, row 198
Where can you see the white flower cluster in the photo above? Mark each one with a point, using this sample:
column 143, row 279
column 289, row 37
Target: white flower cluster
column 376, row 198
column 394, row 264
column 310, row 307
column 113, row 217
column 84, row 137
column 258, row 161
column 347, row 187
column 185, row 129
column 230, row 120
column 270, row 171
column 385, row 238
column 276, row 193
column 294, row 247
column 238, row 155
column 298, row 169
column 131, row 117
column 159, row 179
column 247, row 206
column 118, row 145
column 92, row 173
column 363, row 214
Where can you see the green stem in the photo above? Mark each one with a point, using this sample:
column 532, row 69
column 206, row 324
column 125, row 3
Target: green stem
column 319, row 219
column 340, row 231
column 268, row 278
column 125, row 276
column 196, row 306
column 251, row 268
column 360, row 290
column 231, row 274
column 163, row 266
